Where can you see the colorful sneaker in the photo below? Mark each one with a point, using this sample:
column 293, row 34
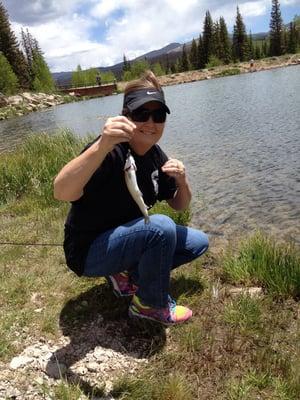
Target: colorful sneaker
column 121, row 284
column 170, row 315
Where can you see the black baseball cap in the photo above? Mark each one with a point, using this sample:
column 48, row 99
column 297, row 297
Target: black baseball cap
column 137, row 98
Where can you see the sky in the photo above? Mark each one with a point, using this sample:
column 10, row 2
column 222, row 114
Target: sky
column 97, row 33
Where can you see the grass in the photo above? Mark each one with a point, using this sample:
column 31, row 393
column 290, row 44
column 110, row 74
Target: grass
column 234, row 347
column 229, row 72
column 30, row 170
column 262, row 261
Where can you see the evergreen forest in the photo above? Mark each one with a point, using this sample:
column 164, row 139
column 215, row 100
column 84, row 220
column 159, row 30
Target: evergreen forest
column 23, row 65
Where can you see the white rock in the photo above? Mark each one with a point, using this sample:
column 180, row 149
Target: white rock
column 14, row 100
column 92, row 366
column 251, row 291
column 20, row 361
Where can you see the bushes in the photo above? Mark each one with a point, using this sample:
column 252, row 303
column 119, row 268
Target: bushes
column 262, row 261
column 30, row 169
column 8, row 79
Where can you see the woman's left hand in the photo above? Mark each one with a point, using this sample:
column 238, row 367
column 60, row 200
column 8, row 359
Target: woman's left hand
column 175, row 168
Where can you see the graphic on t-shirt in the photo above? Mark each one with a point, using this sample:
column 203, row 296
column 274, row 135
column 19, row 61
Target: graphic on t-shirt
column 154, row 177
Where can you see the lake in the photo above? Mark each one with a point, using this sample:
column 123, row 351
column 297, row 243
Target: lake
column 238, row 136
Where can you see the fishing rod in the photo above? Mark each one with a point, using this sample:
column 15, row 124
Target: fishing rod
column 30, row 244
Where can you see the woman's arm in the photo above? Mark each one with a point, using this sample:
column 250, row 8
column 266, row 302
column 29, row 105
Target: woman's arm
column 183, row 194
column 70, row 181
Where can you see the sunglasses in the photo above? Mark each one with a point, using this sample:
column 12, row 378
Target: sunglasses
column 143, row 114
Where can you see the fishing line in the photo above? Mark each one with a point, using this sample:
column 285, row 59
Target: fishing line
column 30, row 244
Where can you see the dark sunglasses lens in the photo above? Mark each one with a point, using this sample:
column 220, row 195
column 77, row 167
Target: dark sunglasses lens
column 140, row 115
column 159, row 116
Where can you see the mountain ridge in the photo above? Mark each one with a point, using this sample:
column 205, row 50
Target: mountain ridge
column 172, row 51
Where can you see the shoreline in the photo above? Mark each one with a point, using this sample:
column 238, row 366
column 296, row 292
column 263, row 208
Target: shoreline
column 225, row 70
column 26, row 102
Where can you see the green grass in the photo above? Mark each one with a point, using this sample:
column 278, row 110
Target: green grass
column 30, row 169
column 262, row 261
column 229, row 72
column 243, row 313
column 233, row 348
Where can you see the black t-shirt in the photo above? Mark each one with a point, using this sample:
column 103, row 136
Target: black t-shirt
column 106, row 202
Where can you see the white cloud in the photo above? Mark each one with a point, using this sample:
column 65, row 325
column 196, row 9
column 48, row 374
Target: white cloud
column 99, row 32
column 290, row 2
column 254, row 9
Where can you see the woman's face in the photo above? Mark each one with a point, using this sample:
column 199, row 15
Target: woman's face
column 147, row 133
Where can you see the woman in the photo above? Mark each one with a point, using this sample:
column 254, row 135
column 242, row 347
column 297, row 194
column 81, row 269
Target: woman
column 105, row 233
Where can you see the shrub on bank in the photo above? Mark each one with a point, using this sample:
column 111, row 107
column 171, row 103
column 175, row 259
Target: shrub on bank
column 262, row 261
column 8, row 80
column 229, row 72
column 30, row 170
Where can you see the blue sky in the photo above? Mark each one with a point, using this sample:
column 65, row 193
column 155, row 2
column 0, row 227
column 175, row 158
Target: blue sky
column 96, row 33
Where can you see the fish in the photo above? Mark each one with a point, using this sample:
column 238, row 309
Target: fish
column 132, row 185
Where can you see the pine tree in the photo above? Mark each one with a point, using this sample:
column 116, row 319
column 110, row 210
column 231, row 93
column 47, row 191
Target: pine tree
column 276, row 39
column 184, row 60
column 250, row 46
column 126, row 64
column 265, row 49
column 257, row 52
column 8, row 79
column 194, row 55
column 201, row 63
column 10, row 49
column 292, row 40
column 216, row 43
column 30, row 45
column 207, row 38
column 167, row 66
column 285, row 41
column 173, row 68
column 43, row 81
column 157, row 69
column 78, row 77
column 38, row 70
column 240, row 44
column 224, row 42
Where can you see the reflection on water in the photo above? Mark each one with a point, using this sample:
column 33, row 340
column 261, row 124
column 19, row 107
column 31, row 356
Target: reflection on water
column 238, row 136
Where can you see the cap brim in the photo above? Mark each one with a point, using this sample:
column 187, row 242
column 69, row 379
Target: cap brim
column 138, row 103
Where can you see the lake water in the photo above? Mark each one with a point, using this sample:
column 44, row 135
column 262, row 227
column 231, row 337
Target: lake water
column 239, row 138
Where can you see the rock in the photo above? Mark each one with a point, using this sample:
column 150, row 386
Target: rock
column 252, row 291
column 3, row 100
column 15, row 100
column 20, row 361
column 50, row 103
column 81, row 370
column 28, row 96
column 34, row 107
column 92, row 366
column 56, row 370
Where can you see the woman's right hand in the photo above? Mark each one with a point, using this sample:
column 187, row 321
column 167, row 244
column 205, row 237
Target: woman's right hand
column 116, row 130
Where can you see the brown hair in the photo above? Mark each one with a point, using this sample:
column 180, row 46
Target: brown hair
column 147, row 80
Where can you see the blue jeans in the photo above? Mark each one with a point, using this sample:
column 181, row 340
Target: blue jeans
column 148, row 251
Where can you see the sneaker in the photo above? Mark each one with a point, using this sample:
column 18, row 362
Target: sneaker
column 121, row 284
column 170, row 315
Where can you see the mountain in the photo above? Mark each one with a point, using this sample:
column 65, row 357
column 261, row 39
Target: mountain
column 168, row 53
column 64, row 78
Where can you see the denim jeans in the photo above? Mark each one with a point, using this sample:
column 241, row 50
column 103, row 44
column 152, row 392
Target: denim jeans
column 148, row 251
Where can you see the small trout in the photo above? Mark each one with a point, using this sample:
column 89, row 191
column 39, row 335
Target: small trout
column 131, row 182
